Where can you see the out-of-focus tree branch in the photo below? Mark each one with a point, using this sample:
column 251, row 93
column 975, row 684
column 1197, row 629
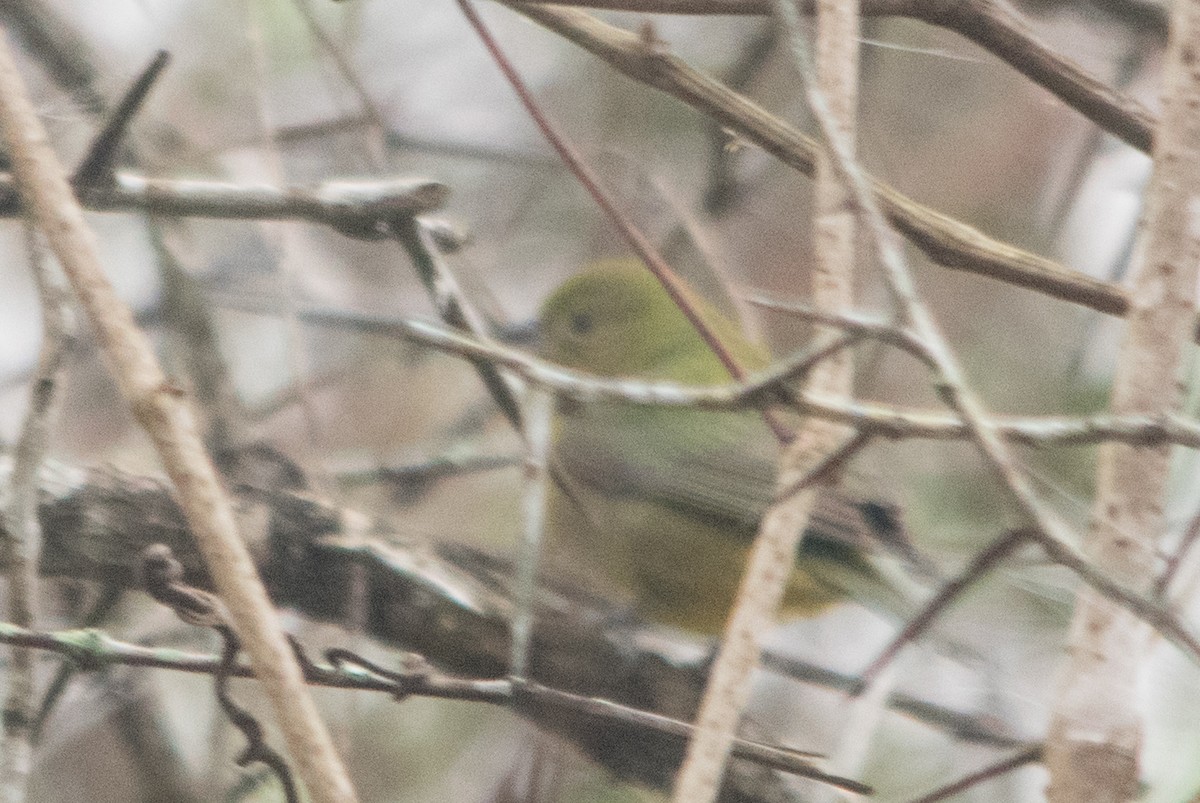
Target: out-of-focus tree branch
column 945, row 240
column 996, row 27
column 50, row 204
column 1095, row 740
column 449, row 603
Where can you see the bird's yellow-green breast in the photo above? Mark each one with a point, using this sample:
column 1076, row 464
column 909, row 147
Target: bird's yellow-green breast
column 662, row 503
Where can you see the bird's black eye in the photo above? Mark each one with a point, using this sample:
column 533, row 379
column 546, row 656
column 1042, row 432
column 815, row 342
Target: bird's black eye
column 581, row 323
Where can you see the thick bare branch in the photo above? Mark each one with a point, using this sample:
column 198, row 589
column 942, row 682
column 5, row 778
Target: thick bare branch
column 994, row 26
column 361, row 209
column 450, row 603
column 881, row 420
column 165, row 416
column 1095, row 738
column 946, row 241
column 772, row 556
column 20, row 533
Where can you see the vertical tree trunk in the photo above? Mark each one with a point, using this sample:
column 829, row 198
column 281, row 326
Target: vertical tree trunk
column 1096, row 731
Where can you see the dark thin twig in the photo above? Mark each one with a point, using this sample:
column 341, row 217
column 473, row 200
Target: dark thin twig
column 54, row 39
column 1030, row 756
column 409, row 481
column 850, row 322
column 530, row 694
column 91, row 650
column 995, row 27
column 98, row 165
column 257, row 750
column 880, row 420
column 986, row 559
column 946, row 241
column 957, row 724
column 630, row 232
column 723, row 188
column 344, row 68
column 94, row 650
column 20, row 528
column 828, row 466
column 1175, row 560
column 162, row 578
column 792, row 761
column 109, row 596
column 453, row 309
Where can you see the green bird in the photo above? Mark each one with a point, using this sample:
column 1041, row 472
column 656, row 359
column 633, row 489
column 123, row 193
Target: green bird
column 661, row 504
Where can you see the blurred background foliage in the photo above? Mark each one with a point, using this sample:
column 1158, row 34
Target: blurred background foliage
column 273, row 91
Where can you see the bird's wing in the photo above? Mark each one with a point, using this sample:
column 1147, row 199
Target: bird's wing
column 720, row 467
column 717, row 466
column 713, row 465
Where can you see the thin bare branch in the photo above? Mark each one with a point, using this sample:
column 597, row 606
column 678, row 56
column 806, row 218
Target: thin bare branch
column 996, row 27
column 159, row 407
column 946, row 241
column 1175, row 560
column 854, row 323
column 983, row 562
column 98, row 165
column 20, row 530
column 95, row 650
column 539, row 417
column 456, row 310
column 781, row 531
column 974, row 728
column 1030, row 756
column 630, row 232
column 879, row 420
column 360, row 209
